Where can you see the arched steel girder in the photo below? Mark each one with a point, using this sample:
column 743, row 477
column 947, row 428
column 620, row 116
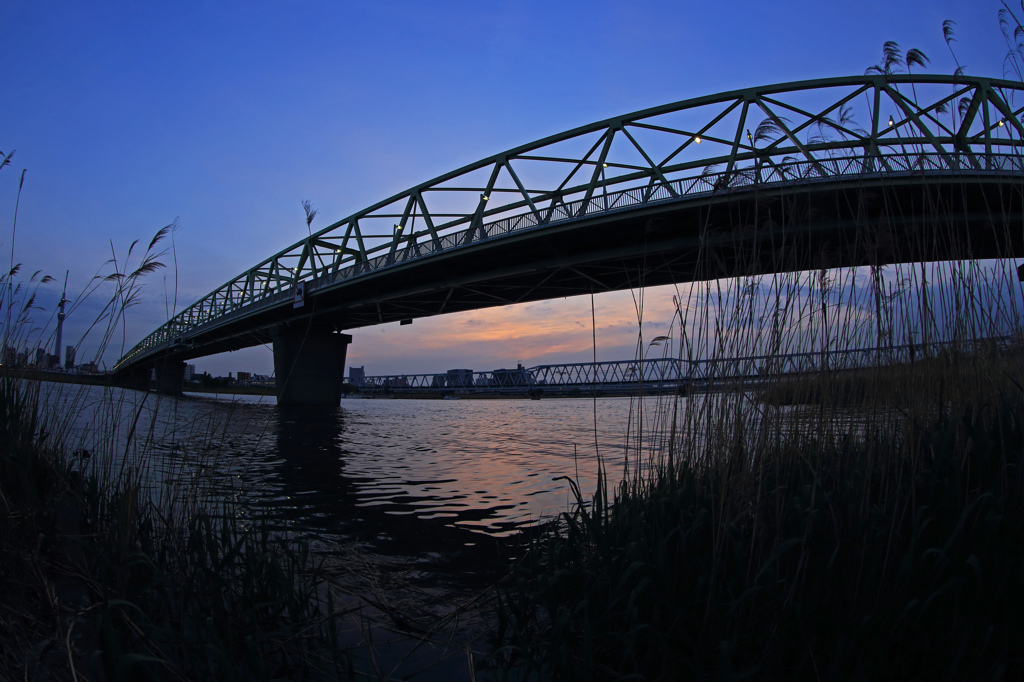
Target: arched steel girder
column 770, row 136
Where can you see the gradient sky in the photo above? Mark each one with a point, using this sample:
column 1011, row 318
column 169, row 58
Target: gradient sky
column 226, row 115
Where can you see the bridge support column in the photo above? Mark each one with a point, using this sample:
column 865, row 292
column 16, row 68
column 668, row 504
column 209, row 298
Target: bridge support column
column 170, row 378
column 136, row 379
column 309, row 365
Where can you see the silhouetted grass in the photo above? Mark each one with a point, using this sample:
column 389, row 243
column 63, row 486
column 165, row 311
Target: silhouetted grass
column 896, row 555
column 859, row 522
column 109, row 573
column 99, row 580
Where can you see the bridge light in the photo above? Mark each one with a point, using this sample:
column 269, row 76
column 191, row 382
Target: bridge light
column 1001, row 122
column 891, row 122
column 398, row 228
column 484, row 197
column 697, row 139
column 606, row 165
column 750, row 138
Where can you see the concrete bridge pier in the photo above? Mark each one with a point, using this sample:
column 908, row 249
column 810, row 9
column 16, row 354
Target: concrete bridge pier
column 136, row 379
column 170, row 378
column 309, row 365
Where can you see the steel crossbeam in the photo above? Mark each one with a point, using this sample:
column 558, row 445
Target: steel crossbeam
column 782, row 135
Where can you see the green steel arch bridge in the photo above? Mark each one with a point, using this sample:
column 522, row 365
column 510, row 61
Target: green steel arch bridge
column 860, row 170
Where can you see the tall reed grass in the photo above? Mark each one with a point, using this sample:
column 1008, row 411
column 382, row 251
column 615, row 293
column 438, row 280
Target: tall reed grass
column 842, row 522
column 110, row 569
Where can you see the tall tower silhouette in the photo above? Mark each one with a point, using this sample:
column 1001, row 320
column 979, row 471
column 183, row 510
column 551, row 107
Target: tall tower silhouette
column 60, row 319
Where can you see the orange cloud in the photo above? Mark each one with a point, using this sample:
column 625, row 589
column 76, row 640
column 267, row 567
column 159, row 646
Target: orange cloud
column 551, row 331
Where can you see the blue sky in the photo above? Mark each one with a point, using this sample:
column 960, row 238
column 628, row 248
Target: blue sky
column 226, row 115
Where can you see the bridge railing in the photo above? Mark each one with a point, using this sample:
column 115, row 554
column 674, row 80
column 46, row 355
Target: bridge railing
column 689, row 188
column 957, row 125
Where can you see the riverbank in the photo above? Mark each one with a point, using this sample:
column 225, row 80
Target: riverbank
column 398, row 520
column 856, row 528
column 406, row 535
column 55, row 377
column 101, row 583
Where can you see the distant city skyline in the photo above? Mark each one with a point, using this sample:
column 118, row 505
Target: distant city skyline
column 226, row 117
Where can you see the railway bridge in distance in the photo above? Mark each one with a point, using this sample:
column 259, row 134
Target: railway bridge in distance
column 840, row 172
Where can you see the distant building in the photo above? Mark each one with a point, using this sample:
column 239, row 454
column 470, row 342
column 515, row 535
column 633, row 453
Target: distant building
column 512, row 377
column 69, row 357
column 460, row 378
column 40, row 360
column 357, row 375
column 245, row 377
column 190, row 372
column 88, row 367
column 52, row 361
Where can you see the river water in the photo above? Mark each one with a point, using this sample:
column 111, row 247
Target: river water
column 487, row 467
column 427, row 496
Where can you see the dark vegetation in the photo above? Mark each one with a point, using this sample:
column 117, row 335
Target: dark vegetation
column 103, row 579
column 99, row 582
column 895, row 553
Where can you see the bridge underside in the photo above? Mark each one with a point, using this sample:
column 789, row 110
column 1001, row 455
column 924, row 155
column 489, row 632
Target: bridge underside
column 734, row 234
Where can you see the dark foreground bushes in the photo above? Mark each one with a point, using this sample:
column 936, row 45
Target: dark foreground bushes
column 97, row 582
column 898, row 555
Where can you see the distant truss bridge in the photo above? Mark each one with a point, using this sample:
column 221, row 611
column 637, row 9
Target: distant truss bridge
column 650, row 374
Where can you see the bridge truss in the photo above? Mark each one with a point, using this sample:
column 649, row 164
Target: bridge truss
column 654, row 373
column 797, row 133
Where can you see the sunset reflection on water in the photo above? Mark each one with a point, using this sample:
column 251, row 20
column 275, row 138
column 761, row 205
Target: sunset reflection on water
column 374, row 469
